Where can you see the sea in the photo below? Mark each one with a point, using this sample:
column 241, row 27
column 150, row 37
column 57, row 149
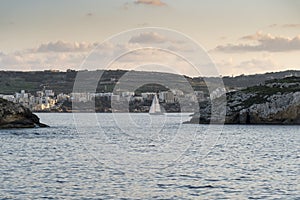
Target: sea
column 142, row 156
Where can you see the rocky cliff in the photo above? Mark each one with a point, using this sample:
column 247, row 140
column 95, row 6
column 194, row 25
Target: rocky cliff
column 276, row 102
column 16, row 116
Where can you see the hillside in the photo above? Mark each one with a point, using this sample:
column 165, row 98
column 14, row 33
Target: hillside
column 62, row 82
column 276, row 102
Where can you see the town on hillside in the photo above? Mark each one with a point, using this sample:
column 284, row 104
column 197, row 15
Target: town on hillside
column 48, row 101
column 51, row 91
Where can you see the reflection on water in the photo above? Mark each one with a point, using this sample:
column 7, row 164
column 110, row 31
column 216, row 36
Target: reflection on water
column 148, row 157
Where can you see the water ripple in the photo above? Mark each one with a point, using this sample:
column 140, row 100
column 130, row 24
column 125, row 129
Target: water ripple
column 247, row 162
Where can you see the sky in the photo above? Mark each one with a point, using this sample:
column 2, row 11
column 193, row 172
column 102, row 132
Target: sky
column 240, row 37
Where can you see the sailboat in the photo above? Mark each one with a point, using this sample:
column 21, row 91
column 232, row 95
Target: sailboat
column 155, row 107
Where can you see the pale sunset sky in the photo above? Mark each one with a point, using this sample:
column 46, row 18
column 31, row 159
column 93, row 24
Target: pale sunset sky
column 241, row 37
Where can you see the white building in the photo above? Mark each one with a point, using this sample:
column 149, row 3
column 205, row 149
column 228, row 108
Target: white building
column 8, row 97
column 167, row 96
column 81, row 97
column 127, row 94
column 115, row 97
column 62, row 97
column 217, row 93
column 177, row 92
column 49, row 93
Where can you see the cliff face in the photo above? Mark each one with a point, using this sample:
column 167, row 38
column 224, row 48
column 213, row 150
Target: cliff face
column 16, row 116
column 272, row 103
column 277, row 109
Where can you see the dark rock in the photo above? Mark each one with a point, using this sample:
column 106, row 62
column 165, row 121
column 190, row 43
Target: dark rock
column 17, row 116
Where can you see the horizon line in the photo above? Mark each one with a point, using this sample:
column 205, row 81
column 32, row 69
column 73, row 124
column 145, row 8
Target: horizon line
column 82, row 70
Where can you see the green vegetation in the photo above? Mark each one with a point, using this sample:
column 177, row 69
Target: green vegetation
column 263, row 90
column 11, row 85
column 276, row 88
column 63, row 82
column 292, row 79
column 253, row 100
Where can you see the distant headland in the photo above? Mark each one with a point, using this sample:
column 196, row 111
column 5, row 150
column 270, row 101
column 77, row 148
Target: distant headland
column 275, row 102
column 270, row 98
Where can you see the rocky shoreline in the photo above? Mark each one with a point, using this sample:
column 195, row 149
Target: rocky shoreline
column 17, row 116
column 277, row 102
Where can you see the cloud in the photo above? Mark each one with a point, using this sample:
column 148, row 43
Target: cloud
column 11, row 59
column 143, row 24
column 223, row 38
column 63, row 55
column 285, row 25
column 17, row 60
column 263, row 42
column 180, row 47
column 37, row 61
column 90, row 14
column 257, row 36
column 150, row 2
column 61, row 46
column 273, row 25
column 153, row 60
column 59, row 55
column 251, row 66
column 154, row 38
column 255, row 65
column 291, row 25
column 126, row 6
column 149, row 37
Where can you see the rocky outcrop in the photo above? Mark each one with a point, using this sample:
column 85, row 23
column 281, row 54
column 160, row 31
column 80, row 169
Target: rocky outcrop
column 278, row 109
column 272, row 103
column 16, row 116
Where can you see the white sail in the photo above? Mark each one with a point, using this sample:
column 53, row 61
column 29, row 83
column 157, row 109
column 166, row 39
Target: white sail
column 155, row 107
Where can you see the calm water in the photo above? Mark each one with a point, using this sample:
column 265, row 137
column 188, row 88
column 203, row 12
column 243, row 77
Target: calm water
column 120, row 156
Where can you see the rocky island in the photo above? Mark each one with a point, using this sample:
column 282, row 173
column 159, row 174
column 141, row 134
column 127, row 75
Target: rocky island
column 275, row 102
column 17, row 116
